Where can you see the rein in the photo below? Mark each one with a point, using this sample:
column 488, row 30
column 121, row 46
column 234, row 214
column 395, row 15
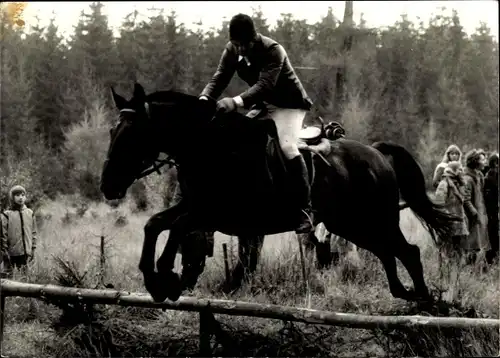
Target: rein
column 157, row 163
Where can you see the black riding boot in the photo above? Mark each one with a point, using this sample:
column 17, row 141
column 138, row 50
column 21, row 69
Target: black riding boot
column 302, row 188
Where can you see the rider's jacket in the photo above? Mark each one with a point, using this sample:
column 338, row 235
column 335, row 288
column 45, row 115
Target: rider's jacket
column 267, row 69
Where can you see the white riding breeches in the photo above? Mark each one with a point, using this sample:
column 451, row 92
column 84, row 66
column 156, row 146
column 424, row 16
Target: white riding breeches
column 288, row 125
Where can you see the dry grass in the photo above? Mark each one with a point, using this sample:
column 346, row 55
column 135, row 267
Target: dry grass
column 358, row 285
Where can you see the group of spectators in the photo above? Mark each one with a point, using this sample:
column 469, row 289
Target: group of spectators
column 468, row 188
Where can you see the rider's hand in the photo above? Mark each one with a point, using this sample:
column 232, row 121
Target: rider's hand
column 203, row 98
column 226, row 104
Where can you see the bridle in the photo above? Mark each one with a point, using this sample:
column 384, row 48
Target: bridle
column 157, row 163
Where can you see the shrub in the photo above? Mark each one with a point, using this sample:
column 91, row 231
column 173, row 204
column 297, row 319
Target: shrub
column 85, row 147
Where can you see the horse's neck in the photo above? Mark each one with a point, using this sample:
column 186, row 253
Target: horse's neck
column 174, row 132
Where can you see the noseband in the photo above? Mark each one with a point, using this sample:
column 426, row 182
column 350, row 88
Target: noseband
column 157, row 163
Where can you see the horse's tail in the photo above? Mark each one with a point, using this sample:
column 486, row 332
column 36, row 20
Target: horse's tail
column 411, row 184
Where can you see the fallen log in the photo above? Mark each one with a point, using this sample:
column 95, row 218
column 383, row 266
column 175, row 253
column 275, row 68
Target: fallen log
column 239, row 308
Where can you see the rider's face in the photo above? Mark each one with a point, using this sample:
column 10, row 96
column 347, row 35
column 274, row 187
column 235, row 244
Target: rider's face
column 242, row 47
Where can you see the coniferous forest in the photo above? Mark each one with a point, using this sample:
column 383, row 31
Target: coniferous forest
column 422, row 85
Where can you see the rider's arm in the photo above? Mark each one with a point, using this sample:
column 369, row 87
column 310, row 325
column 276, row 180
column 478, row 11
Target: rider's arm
column 267, row 79
column 225, row 71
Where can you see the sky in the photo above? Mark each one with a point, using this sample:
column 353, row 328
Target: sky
column 212, row 13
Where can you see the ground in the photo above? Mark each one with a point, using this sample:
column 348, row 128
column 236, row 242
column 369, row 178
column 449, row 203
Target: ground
column 69, row 247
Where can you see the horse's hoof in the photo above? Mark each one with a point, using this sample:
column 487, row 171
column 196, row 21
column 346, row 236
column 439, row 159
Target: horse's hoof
column 424, row 297
column 417, row 296
column 188, row 280
column 403, row 294
column 226, row 289
column 187, row 286
column 151, row 283
column 231, row 287
column 163, row 286
column 173, row 285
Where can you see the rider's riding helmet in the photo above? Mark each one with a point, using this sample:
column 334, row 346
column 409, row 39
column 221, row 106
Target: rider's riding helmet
column 242, row 29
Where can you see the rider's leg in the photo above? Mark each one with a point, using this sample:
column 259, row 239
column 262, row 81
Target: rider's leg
column 288, row 125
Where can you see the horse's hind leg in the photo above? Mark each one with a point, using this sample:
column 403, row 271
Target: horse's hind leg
column 389, row 262
column 249, row 248
column 409, row 255
column 239, row 272
column 255, row 250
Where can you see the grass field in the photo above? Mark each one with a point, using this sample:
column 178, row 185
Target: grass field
column 357, row 285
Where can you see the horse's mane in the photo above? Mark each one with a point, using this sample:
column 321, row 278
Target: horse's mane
column 170, row 96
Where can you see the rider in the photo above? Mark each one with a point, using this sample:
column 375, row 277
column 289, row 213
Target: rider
column 265, row 66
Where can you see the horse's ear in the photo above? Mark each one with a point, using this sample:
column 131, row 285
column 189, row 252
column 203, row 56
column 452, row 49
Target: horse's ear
column 120, row 102
column 139, row 93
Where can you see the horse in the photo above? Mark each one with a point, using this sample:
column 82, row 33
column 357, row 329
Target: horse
column 235, row 181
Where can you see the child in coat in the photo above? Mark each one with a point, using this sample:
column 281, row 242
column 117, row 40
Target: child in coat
column 19, row 233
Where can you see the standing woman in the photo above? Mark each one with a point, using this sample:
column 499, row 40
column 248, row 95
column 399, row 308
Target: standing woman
column 450, row 193
column 452, row 154
column 491, row 202
column 474, row 204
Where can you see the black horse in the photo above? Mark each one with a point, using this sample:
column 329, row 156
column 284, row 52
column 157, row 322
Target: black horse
column 235, row 181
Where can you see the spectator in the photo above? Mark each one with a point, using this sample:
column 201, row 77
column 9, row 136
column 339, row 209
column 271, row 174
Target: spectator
column 487, row 165
column 452, row 154
column 3, row 254
column 19, row 234
column 450, row 193
column 475, row 209
column 491, row 202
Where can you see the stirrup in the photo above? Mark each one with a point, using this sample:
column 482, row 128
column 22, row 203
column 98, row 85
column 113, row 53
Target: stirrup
column 305, row 226
column 309, row 217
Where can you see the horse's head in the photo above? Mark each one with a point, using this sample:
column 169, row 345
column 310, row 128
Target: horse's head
column 131, row 147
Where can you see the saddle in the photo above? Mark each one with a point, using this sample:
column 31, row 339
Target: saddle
column 311, row 138
column 252, row 141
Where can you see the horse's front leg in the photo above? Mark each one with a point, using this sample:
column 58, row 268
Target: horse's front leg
column 194, row 252
column 156, row 224
column 168, row 283
column 255, row 250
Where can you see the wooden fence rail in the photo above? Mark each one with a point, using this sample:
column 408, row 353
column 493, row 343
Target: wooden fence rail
column 235, row 308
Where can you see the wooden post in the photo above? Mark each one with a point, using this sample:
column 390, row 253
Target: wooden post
column 103, row 260
column 2, row 323
column 303, row 263
column 231, row 249
column 205, row 336
column 209, row 327
column 226, row 263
